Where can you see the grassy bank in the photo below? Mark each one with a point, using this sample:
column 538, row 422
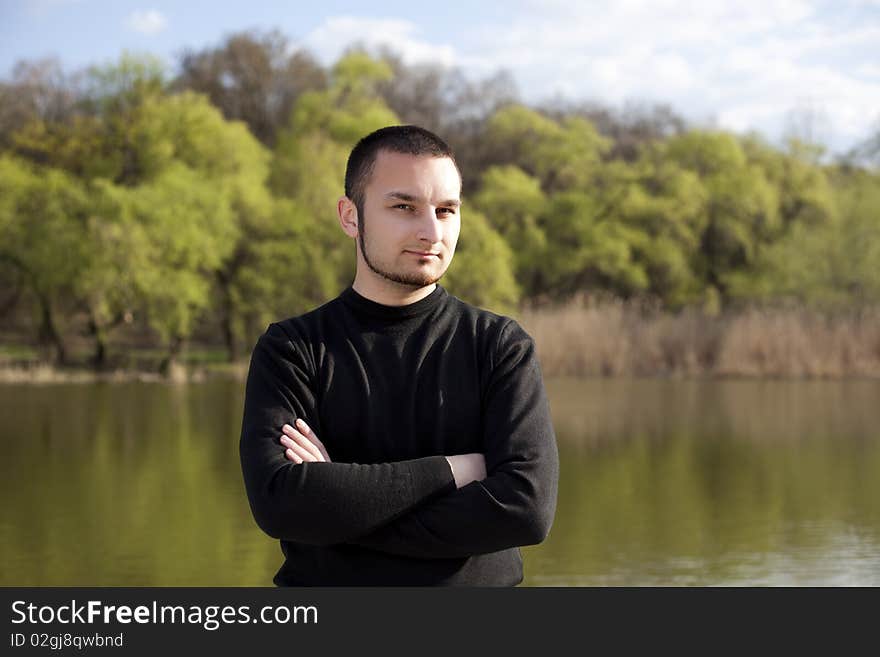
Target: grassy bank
column 21, row 364
column 44, row 373
column 584, row 338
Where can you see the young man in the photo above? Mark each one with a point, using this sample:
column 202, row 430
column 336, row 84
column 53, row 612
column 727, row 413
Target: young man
column 397, row 435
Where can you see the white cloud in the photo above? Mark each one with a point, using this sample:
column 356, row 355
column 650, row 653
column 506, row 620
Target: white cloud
column 750, row 64
column 148, row 22
column 401, row 36
column 869, row 70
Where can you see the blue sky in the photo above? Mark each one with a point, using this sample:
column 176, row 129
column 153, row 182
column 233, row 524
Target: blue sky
column 766, row 65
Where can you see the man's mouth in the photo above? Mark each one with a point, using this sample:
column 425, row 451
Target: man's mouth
column 423, row 253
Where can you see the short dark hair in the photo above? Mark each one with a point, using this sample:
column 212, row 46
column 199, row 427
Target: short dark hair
column 407, row 139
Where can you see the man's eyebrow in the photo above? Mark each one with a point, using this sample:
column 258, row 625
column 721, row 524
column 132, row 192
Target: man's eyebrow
column 409, row 198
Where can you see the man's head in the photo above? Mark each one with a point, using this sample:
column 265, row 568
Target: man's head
column 402, row 198
column 403, row 139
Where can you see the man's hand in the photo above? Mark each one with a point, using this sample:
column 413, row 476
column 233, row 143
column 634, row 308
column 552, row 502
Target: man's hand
column 302, row 445
column 467, row 468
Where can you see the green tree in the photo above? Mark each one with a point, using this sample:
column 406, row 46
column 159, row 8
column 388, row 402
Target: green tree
column 309, row 167
column 562, row 155
column 482, row 270
column 669, row 205
column 590, row 248
column 42, row 218
column 513, row 201
column 273, row 273
column 110, row 135
column 226, row 202
column 805, row 193
column 832, row 266
column 742, row 206
column 190, row 228
column 175, row 190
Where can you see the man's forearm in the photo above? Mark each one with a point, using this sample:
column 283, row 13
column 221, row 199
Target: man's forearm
column 484, row 516
column 310, row 499
column 411, row 534
column 302, row 445
column 326, row 503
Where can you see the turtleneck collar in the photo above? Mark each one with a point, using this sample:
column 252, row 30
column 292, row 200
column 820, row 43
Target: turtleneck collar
column 362, row 304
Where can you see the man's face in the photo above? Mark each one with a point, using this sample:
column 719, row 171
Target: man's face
column 410, row 221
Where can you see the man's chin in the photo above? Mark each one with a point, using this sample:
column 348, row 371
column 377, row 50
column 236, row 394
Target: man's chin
column 414, row 281
column 417, row 283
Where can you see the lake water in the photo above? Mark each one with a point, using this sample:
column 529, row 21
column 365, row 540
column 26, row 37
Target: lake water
column 662, row 483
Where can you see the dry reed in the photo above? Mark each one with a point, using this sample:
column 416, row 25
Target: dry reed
column 589, row 337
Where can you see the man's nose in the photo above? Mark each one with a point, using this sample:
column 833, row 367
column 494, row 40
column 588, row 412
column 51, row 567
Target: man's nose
column 430, row 227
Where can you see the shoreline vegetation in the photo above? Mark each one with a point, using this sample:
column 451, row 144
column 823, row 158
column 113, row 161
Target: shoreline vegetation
column 630, row 338
column 585, row 337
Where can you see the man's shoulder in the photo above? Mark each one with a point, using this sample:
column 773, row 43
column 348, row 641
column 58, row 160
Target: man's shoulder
column 502, row 342
column 298, row 330
column 497, row 327
column 297, row 326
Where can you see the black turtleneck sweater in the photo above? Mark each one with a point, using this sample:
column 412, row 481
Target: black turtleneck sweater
column 390, row 391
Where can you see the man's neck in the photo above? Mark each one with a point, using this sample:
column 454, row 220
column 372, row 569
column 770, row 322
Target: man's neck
column 389, row 293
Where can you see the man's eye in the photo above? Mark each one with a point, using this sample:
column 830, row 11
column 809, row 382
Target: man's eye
column 446, row 210
column 404, row 206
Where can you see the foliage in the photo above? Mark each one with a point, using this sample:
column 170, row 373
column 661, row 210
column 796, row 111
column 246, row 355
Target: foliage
column 42, row 221
column 512, row 201
column 561, row 155
column 310, row 158
column 126, row 197
column 832, row 266
column 481, row 272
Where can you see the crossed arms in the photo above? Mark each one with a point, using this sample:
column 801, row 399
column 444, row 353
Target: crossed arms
column 430, row 507
column 302, row 445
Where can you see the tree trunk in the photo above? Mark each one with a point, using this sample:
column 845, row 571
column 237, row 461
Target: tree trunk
column 170, row 366
column 99, row 358
column 48, row 333
column 229, row 338
column 226, row 320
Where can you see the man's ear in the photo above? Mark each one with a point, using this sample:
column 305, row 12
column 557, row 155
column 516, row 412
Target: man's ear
column 348, row 216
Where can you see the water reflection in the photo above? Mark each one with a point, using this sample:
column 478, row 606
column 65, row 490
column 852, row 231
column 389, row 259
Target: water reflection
column 714, row 482
column 662, row 482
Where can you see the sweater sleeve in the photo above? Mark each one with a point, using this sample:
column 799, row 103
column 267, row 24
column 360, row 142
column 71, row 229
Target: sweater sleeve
column 515, row 504
column 317, row 503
